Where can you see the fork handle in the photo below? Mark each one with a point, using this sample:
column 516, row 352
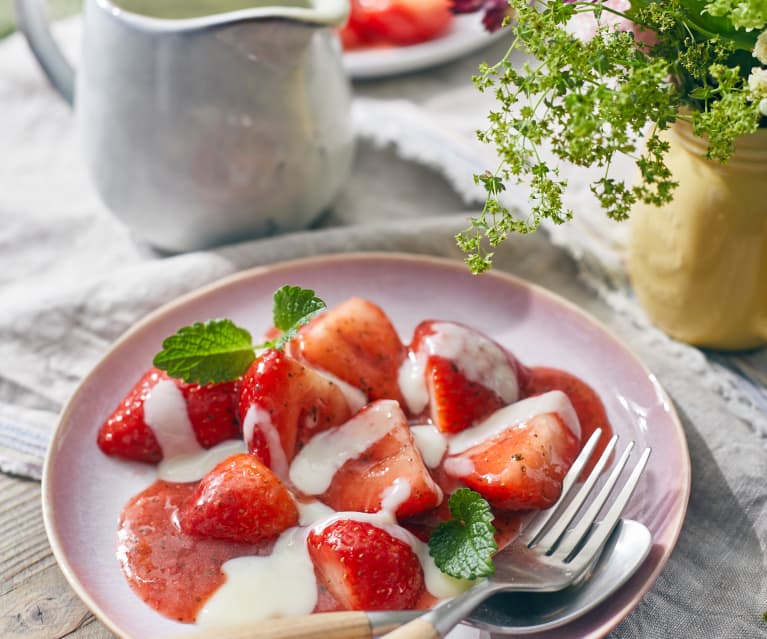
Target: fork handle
column 326, row 625
column 417, row 629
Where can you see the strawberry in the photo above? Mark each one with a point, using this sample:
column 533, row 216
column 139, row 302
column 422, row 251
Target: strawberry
column 364, row 567
column 239, row 500
column 521, row 466
column 456, row 402
column 287, row 403
column 468, row 376
column 398, row 22
column 391, row 472
column 211, row 410
column 587, row 404
column 357, row 343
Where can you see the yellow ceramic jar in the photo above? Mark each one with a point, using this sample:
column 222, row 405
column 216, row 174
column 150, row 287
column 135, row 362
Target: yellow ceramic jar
column 699, row 264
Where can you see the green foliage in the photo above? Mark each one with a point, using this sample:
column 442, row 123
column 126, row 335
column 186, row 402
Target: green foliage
column 463, row 547
column 584, row 102
column 220, row 351
column 210, row 352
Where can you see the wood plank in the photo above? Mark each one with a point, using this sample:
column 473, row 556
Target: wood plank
column 36, row 601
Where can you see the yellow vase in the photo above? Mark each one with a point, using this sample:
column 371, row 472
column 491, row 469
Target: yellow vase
column 699, row 264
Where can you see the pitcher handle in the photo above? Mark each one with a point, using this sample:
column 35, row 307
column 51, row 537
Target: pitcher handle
column 32, row 21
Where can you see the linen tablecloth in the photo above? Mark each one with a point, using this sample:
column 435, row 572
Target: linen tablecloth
column 72, row 279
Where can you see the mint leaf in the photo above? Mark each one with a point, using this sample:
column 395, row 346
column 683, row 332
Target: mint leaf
column 463, row 547
column 216, row 351
column 293, row 307
column 219, row 351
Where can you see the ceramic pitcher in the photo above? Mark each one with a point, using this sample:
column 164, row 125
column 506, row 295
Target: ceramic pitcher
column 207, row 121
column 699, row 264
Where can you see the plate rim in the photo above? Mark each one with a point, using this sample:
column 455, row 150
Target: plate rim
column 254, row 272
column 465, row 44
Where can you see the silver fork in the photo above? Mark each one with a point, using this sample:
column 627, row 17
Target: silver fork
column 547, row 556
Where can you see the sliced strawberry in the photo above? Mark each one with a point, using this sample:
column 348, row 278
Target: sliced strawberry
column 283, row 404
column 364, row 567
column 239, row 500
column 521, row 463
column 211, row 410
column 467, row 375
column 456, row 403
column 390, row 473
column 125, row 433
column 587, row 404
column 357, row 343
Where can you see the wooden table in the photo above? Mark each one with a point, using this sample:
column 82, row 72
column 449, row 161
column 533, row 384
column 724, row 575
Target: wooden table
column 36, row 601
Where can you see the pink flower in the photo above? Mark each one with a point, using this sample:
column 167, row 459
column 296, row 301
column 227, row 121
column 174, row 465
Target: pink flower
column 584, row 25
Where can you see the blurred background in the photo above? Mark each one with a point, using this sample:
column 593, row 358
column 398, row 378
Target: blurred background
column 56, row 9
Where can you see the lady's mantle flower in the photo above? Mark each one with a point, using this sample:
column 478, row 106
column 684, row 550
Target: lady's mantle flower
column 760, row 48
column 757, row 83
column 584, row 25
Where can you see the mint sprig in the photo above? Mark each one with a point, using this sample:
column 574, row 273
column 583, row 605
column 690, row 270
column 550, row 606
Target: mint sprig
column 463, row 547
column 293, row 307
column 220, row 351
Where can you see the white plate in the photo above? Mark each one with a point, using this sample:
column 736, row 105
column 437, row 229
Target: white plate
column 84, row 491
column 466, row 35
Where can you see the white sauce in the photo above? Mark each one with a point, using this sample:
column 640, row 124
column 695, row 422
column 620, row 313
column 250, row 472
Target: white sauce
column 310, row 512
column 313, row 468
column 514, row 414
column 458, row 466
column 165, row 413
column 479, row 358
column 412, row 384
column 279, row 585
column 258, row 417
column 430, row 442
column 194, row 466
column 355, row 398
column 396, row 495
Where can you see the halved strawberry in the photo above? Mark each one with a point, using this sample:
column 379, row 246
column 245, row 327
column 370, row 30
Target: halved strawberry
column 518, row 457
column 357, row 343
column 456, row 402
column 364, row 567
column 389, row 473
column 239, row 500
column 467, row 375
column 211, row 410
column 283, row 404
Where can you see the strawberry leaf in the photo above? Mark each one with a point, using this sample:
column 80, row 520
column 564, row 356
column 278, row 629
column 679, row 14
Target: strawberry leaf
column 213, row 352
column 463, row 547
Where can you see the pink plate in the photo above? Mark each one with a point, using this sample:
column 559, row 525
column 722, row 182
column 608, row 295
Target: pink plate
column 84, row 491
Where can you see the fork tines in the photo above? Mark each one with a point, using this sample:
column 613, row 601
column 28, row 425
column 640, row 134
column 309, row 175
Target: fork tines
column 549, row 532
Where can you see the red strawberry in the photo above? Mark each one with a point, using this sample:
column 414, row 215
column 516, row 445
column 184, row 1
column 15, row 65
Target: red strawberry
column 357, row 343
column 468, row 376
column 287, row 402
column 211, row 410
column 362, row 484
column 587, row 404
column 239, row 500
column 522, row 466
column 455, row 402
column 364, row 567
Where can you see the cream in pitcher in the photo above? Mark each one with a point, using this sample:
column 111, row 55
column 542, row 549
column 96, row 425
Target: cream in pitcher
column 208, row 121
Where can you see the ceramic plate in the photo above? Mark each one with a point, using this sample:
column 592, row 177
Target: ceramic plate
column 465, row 36
column 84, row 491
